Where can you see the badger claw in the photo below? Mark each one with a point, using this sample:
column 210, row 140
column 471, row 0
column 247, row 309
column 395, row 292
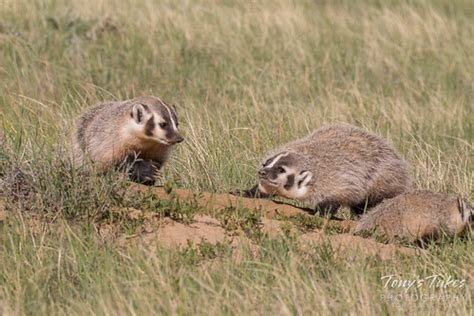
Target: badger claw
column 145, row 171
column 254, row 192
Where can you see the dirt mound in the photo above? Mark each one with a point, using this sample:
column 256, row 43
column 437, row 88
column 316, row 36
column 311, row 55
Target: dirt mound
column 203, row 228
column 218, row 201
column 275, row 221
column 209, row 229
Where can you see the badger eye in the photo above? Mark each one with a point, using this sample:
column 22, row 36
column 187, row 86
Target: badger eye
column 163, row 124
column 281, row 170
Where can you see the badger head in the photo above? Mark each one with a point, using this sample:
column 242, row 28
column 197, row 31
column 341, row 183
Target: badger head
column 283, row 174
column 155, row 120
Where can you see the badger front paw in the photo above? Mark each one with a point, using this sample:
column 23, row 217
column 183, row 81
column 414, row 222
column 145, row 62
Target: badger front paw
column 250, row 193
column 145, row 171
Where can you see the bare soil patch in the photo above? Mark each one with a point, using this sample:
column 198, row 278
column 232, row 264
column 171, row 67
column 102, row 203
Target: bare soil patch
column 205, row 228
column 218, row 201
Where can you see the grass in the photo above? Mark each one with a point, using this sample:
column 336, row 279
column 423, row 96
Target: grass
column 245, row 76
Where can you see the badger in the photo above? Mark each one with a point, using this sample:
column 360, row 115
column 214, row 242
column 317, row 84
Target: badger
column 334, row 166
column 135, row 135
column 418, row 215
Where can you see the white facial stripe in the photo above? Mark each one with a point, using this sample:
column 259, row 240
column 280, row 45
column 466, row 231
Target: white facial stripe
column 171, row 116
column 465, row 211
column 296, row 193
column 275, row 160
column 299, row 193
column 299, row 190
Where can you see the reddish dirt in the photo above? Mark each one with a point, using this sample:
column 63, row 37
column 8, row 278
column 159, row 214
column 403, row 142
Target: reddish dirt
column 206, row 228
column 218, row 201
column 170, row 233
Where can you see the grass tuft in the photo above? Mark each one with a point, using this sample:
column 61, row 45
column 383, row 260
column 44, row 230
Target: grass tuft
column 246, row 76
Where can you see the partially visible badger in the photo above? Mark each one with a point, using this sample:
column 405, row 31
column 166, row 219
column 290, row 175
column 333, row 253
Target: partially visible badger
column 418, row 215
column 135, row 134
column 339, row 165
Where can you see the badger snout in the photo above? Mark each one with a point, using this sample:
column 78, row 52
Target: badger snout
column 176, row 139
column 266, row 178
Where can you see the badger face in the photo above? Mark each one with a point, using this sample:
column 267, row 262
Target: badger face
column 157, row 121
column 281, row 175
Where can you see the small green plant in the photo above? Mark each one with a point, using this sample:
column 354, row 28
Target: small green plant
column 131, row 225
column 287, row 229
column 333, row 228
column 374, row 233
column 174, row 208
column 194, row 254
column 169, row 185
column 235, row 219
column 306, row 222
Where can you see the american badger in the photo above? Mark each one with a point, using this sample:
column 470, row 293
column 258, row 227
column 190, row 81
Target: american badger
column 135, row 134
column 418, row 215
column 334, row 166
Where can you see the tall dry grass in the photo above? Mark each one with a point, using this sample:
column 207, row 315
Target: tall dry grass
column 245, row 76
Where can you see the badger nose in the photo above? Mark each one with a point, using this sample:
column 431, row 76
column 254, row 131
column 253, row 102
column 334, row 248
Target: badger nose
column 262, row 173
column 178, row 139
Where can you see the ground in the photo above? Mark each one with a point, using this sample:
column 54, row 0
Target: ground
column 245, row 77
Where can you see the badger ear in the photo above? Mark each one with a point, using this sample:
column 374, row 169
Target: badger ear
column 304, row 177
column 137, row 113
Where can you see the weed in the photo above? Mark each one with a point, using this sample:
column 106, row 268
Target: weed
column 196, row 254
column 235, row 219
